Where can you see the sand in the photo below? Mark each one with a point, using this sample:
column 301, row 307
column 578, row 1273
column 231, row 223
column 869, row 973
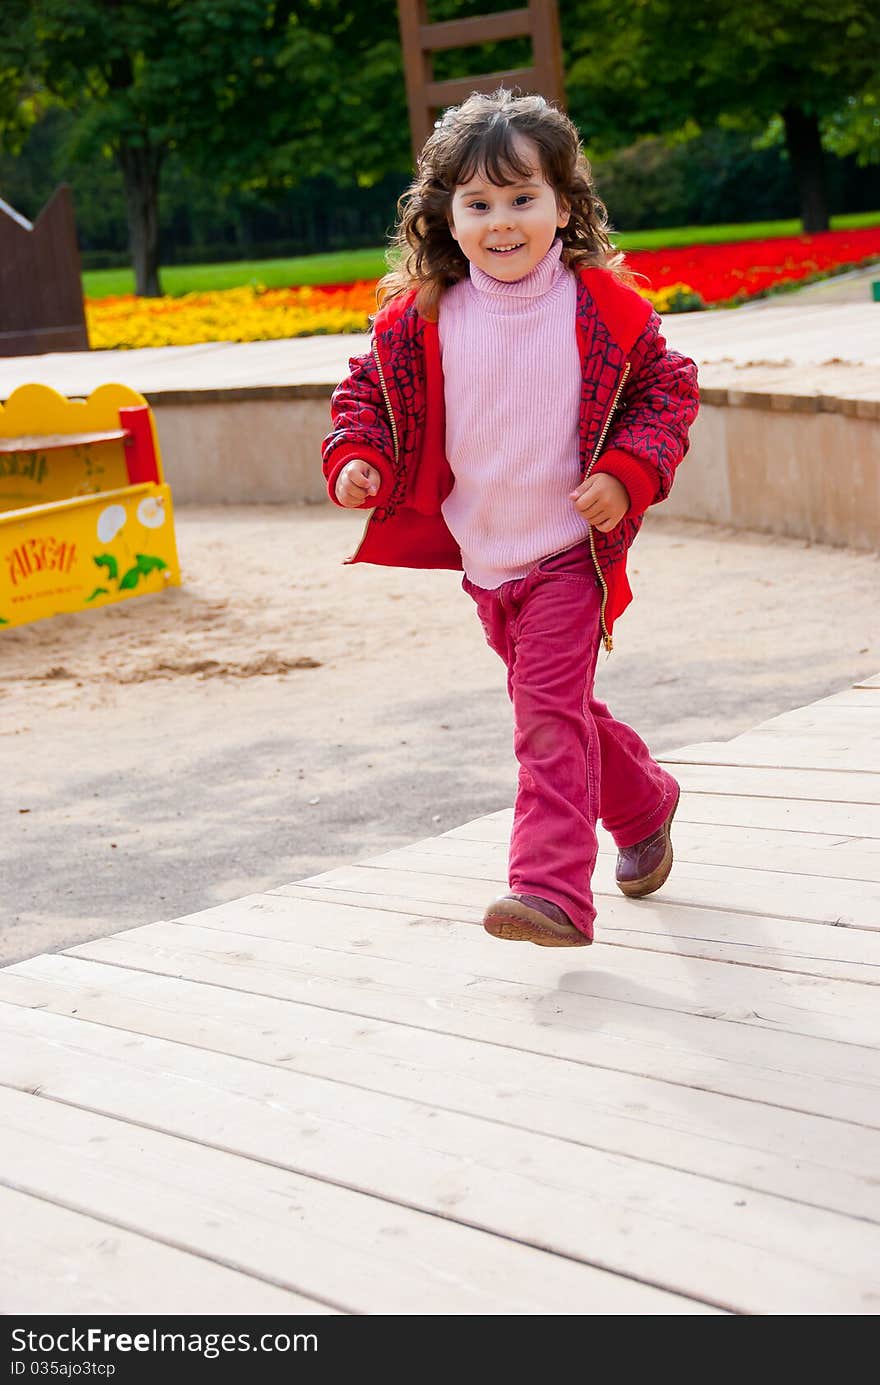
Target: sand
column 281, row 714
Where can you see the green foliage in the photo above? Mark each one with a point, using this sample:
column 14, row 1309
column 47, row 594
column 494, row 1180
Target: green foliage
column 251, row 94
column 719, row 175
column 855, row 128
column 651, row 66
column 242, row 102
column 19, row 95
column 165, row 74
column 684, row 301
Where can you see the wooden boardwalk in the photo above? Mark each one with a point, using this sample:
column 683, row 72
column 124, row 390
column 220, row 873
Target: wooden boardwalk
column 341, row 1096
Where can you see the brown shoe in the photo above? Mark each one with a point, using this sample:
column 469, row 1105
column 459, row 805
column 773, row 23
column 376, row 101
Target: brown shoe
column 526, row 918
column 643, row 868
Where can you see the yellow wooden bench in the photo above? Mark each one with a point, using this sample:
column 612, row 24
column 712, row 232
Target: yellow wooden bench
column 85, row 515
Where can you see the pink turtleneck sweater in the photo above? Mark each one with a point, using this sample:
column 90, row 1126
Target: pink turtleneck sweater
column 512, row 388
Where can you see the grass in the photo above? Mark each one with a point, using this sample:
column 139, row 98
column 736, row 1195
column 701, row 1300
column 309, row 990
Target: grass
column 345, row 266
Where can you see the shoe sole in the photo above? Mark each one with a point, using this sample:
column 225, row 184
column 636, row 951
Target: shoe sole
column 635, row 889
column 527, row 926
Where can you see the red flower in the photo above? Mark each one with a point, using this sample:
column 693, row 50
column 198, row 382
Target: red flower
column 742, row 269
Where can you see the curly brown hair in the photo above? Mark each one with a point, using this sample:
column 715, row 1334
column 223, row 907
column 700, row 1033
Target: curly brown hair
column 479, row 137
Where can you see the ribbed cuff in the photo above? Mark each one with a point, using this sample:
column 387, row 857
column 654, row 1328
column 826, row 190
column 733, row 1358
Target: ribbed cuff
column 343, row 455
column 640, row 478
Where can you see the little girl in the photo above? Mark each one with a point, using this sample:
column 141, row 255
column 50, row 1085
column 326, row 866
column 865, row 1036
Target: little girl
column 516, row 415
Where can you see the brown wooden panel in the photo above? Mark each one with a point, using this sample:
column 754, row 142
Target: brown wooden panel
column 41, row 305
column 482, row 28
column 459, row 88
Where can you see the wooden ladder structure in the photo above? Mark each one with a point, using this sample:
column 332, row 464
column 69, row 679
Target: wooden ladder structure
column 420, row 39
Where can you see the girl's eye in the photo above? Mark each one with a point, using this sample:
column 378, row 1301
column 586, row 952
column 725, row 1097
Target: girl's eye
column 481, row 206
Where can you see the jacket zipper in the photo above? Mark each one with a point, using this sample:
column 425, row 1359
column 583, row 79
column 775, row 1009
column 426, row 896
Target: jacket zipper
column 384, row 387
column 374, row 351
column 606, row 638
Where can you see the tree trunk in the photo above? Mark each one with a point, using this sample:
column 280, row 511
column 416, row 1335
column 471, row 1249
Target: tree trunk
column 804, row 144
column 140, row 169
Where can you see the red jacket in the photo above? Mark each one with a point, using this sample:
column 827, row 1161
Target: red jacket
column 638, row 401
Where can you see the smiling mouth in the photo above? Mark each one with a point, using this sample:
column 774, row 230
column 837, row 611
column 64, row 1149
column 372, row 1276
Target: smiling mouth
column 505, row 249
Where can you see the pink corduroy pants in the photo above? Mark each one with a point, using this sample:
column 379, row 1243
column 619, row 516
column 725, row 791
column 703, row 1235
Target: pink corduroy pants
column 577, row 764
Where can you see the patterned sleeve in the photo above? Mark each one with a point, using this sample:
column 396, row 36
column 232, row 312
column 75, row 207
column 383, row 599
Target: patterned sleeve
column 360, row 428
column 649, row 436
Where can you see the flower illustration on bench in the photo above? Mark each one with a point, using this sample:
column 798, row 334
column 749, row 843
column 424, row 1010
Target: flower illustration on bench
column 110, row 522
column 151, row 512
column 145, row 563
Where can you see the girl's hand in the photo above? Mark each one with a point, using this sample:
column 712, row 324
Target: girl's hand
column 601, row 499
column 356, row 482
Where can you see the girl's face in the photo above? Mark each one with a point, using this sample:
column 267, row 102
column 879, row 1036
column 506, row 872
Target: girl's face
column 506, row 231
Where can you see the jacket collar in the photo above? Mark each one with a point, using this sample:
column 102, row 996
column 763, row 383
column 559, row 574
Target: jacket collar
column 623, row 311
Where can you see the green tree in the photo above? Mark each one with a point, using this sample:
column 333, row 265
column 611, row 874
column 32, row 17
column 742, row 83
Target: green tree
column 654, row 65
column 252, row 92
column 855, row 129
column 143, row 77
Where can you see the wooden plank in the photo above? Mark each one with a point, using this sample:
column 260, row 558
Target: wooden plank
column 692, row 1235
column 744, row 1143
column 716, row 935
column 794, row 853
column 56, row 1258
column 762, row 940
column 779, row 751
column 835, row 820
column 484, row 28
column 632, row 1032
column 697, row 775
column 417, row 70
column 839, row 1010
column 456, row 89
column 802, row 854
column 844, row 904
column 688, row 837
column 847, row 723
column 843, row 857
column 363, row 1253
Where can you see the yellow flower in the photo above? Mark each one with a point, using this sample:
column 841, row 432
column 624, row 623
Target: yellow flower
column 252, row 313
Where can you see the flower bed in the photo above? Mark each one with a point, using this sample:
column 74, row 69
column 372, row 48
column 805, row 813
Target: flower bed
column 243, row 314
column 675, row 280
column 733, row 272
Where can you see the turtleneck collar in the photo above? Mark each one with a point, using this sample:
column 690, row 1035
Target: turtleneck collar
column 519, row 295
